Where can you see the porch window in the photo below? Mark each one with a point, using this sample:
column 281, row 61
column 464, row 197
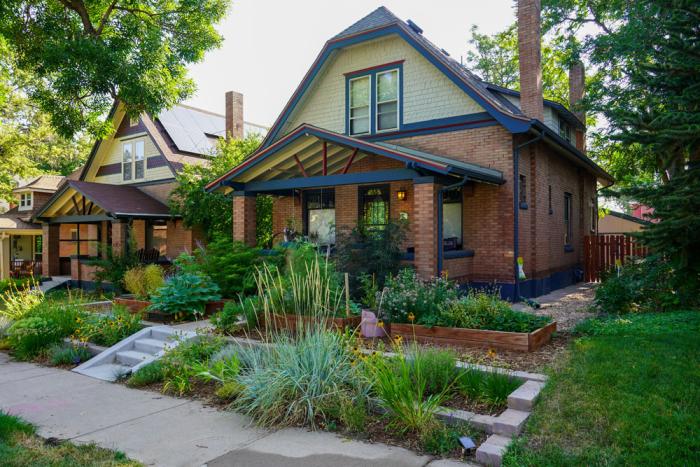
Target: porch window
column 388, row 100
column 374, row 206
column 568, row 231
column 319, row 208
column 359, row 105
column 452, row 220
column 127, row 155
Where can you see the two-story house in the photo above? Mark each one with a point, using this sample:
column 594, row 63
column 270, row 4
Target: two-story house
column 386, row 125
column 123, row 188
column 20, row 236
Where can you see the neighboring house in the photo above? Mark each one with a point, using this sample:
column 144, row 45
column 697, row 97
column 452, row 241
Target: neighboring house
column 619, row 223
column 124, row 187
column 386, row 125
column 20, row 237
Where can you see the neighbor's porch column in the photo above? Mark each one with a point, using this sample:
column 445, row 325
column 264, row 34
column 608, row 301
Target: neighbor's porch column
column 424, row 226
column 244, row 217
column 50, row 255
column 120, row 231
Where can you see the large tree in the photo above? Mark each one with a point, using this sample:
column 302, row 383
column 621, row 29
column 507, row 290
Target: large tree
column 495, row 59
column 84, row 54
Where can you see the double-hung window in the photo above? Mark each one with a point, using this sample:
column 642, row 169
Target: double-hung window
column 360, row 105
column 387, row 100
column 133, row 160
column 25, row 201
column 374, row 100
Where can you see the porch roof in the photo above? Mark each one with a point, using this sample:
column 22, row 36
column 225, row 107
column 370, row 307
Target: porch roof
column 100, row 201
column 310, row 152
column 14, row 221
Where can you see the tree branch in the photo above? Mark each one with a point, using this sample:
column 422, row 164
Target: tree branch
column 105, row 17
column 79, row 7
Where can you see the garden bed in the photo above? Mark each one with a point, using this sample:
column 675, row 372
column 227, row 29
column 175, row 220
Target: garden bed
column 291, row 321
column 140, row 306
column 460, row 337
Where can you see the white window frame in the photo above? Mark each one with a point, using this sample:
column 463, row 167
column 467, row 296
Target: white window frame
column 25, row 201
column 369, row 106
column 130, row 169
column 397, row 99
column 133, row 144
column 142, row 144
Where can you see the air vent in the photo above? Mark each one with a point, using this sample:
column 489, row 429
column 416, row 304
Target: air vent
column 414, row 26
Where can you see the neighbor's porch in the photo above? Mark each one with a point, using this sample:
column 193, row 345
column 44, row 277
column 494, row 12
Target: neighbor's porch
column 20, row 254
column 323, row 183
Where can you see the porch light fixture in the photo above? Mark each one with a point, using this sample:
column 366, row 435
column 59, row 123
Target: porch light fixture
column 401, row 194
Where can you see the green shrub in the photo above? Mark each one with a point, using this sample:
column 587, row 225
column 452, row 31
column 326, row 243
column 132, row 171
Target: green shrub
column 470, row 383
column 183, row 364
column 185, row 293
column 227, row 320
column 299, row 381
column 402, row 389
column 146, row 375
column 642, row 285
column 72, row 355
column 113, row 268
column 405, row 295
column 16, row 302
column 483, row 310
column 107, row 330
column 231, row 265
column 438, row 368
column 45, row 324
column 12, row 283
column 142, row 281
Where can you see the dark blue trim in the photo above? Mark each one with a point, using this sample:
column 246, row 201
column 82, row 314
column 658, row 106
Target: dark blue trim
column 242, row 192
column 514, row 125
column 438, row 125
column 331, row 180
column 454, row 254
column 523, row 205
column 568, row 248
column 421, row 180
column 532, row 288
column 372, row 74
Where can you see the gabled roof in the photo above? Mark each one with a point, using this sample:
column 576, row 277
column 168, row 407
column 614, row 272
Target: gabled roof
column 16, row 220
column 627, row 217
column 44, row 183
column 307, row 144
column 114, row 200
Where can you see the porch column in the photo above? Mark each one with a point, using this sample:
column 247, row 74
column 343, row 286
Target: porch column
column 50, row 256
column 104, row 236
column 424, row 227
column 4, row 255
column 119, row 237
column 244, row 222
column 138, row 230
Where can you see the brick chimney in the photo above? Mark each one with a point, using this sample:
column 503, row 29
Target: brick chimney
column 234, row 115
column 530, row 59
column 577, row 80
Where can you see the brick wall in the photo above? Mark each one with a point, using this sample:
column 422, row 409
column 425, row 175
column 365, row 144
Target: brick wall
column 49, row 253
column 244, row 219
column 181, row 239
column 529, row 38
column 138, row 230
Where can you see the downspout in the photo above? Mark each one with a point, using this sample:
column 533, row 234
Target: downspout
column 440, row 245
column 516, row 209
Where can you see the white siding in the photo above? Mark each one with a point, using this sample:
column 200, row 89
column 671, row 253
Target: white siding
column 427, row 93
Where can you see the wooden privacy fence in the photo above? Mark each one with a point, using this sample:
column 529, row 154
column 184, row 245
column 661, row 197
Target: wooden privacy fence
column 601, row 251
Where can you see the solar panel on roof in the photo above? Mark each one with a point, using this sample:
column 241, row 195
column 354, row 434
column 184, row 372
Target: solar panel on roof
column 190, row 129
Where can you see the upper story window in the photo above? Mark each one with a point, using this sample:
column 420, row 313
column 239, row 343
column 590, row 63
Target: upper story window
column 388, row 100
column 359, row 105
column 25, row 201
column 133, row 160
column 133, row 121
column 374, row 100
column 564, row 130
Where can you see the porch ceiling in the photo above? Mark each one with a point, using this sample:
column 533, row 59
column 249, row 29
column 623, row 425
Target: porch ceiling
column 311, row 152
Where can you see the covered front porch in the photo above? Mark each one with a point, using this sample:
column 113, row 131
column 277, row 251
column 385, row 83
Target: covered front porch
column 323, row 182
column 85, row 221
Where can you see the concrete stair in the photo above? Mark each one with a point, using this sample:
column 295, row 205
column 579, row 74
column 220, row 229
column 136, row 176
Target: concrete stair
column 132, row 353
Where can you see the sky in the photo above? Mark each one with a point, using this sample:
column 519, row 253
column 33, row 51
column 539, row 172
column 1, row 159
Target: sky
column 270, row 44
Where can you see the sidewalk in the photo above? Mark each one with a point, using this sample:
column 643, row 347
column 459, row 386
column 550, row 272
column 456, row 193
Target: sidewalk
column 162, row 430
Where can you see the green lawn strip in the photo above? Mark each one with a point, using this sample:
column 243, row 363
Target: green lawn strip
column 20, row 446
column 628, row 395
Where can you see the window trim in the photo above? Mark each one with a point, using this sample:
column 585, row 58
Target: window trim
column 361, row 190
column 133, row 143
column 130, row 162
column 369, row 106
column 398, row 100
column 460, row 244
column 372, row 73
column 26, row 200
column 568, row 218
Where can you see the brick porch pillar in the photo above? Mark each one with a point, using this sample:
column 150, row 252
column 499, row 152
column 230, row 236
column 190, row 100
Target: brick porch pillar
column 424, row 228
column 104, row 236
column 119, row 237
column 138, row 230
column 50, row 264
column 244, row 218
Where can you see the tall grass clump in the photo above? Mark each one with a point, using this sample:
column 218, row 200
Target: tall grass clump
column 438, row 368
column 299, row 380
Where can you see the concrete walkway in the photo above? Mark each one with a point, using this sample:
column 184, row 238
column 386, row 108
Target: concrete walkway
column 162, row 430
column 56, row 281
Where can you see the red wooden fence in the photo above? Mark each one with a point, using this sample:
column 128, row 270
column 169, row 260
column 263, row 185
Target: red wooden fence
column 601, row 251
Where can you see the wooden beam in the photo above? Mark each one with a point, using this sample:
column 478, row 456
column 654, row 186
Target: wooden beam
column 325, row 158
column 352, row 158
column 300, row 165
column 84, row 206
column 89, row 210
column 75, row 204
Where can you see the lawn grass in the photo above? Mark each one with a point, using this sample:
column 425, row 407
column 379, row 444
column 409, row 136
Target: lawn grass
column 20, row 446
column 627, row 394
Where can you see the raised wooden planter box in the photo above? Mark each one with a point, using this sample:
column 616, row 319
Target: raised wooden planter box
column 460, row 337
column 290, row 322
column 139, row 306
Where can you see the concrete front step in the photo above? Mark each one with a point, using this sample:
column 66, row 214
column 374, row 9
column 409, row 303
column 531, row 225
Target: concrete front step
column 149, row 345
column 109, row 371
column 132, row 358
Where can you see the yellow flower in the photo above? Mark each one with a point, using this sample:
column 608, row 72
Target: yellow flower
column 491, row 353
column 380, row 324
column 398, row 339
column 411, row 317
